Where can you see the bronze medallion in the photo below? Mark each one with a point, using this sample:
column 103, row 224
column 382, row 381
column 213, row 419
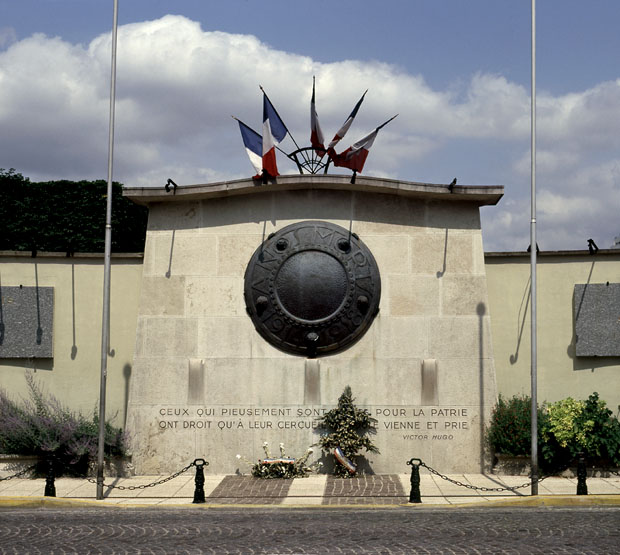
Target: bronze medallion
column 312, row 289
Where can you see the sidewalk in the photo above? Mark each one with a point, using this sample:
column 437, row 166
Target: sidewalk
column 316, row 490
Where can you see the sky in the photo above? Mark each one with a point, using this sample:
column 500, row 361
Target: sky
column 458, row 73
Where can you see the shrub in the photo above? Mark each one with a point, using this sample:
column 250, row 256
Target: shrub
column 42, row 426
column 587, row 427
column 565, row 429
column 348, row 428
column 510, row 429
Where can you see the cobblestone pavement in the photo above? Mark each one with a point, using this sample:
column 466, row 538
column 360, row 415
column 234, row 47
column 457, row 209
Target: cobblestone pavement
column 320, row 530
column 383, row 489
column 248, row 490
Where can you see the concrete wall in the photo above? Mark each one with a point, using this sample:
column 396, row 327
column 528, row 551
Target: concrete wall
column 560, row 372
column 72, row 375
column 201, row 370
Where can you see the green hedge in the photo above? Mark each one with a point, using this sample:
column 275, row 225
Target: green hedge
column 66, row 216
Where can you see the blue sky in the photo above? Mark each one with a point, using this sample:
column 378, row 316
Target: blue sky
column 457, row 72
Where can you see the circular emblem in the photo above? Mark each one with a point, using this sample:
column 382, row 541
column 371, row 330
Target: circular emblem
column 312, row 288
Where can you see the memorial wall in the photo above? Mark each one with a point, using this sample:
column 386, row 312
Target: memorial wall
column 260, row 304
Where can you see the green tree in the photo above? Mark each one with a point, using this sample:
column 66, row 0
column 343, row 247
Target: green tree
column 66, row 216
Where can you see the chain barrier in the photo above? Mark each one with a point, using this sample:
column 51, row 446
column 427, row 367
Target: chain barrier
column 479, row 488
column 419, row 462
column 20, row 473
column 152, row 484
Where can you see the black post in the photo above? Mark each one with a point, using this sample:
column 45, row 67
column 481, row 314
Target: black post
column 414, row 495
column 199, row 491
column 582, row 487
column 50, row 487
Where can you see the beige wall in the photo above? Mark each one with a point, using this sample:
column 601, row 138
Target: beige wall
column 192, row 322
column 73, row 374
column 76, row 380
column 560, row 372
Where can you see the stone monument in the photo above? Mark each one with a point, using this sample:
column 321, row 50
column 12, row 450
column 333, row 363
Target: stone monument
column 261, row 303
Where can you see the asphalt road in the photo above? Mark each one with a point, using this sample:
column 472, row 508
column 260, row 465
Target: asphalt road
column 324, row 530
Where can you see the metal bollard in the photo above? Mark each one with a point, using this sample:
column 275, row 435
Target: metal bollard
column 414, row 495
column 50, row 487
column 582, row 487
column 199, row 491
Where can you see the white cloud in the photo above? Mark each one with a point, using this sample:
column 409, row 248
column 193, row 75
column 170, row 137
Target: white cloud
column 178, row 85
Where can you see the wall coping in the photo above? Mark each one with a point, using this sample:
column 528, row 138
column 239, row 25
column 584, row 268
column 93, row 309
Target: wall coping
column 482, row 195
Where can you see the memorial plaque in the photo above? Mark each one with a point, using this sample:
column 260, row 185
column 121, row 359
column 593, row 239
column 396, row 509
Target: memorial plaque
column 313, row 288
column 26, row 318
column 597, row 319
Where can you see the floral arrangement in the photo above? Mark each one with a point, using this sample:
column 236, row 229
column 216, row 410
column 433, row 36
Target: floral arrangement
column 282, row 466
column 347, row 431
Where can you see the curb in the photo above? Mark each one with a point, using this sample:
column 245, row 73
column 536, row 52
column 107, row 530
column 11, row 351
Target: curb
column 534, row 501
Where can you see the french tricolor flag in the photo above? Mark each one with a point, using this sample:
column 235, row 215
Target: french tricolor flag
column 274, row 132
column 316, row 135
column 355, row 156
column 253, row 143
column 345, row 126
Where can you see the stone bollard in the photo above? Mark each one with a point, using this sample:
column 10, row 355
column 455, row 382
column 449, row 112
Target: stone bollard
column 414, row 495
column 582, row 487
column 50, row 486
column 199, row 491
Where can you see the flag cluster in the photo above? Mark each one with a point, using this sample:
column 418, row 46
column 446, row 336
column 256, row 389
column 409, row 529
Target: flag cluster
column 262, row 150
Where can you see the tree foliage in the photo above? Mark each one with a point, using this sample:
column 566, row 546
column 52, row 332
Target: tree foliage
column 66, row 216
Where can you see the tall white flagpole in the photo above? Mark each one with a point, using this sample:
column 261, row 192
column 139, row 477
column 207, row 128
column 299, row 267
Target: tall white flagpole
column 105, row 325
column 533, row 253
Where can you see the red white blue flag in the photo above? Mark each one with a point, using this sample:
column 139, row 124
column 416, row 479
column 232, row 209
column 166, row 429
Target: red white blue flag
column 274, row 132
column 340, row 457
column 316, row 135
column 345, row 126
column 253, row 143
column 355, row 156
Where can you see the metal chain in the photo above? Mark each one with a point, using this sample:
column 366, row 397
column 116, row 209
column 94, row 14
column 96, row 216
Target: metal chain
column 153, row 484
column 20, row 473
column 479, row 488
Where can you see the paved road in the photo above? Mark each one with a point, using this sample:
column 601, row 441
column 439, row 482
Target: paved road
column 238, row 530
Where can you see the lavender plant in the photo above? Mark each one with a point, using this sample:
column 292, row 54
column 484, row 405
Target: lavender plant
column 42, row 426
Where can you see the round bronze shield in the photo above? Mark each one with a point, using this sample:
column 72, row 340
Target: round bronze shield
column 312, row 288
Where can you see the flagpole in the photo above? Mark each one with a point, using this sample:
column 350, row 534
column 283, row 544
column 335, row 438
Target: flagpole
column 533, row 253
column 105, row 325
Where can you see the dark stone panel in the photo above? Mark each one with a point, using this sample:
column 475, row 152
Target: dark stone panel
column 596, row 308
column 26, row 322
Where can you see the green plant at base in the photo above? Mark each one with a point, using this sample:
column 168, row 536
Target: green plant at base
column 43, row 427
column 587, row 427
column 510, row 428
column 348, row 428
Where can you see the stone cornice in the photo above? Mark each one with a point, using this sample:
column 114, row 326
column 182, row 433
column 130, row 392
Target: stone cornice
column 482, row 195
